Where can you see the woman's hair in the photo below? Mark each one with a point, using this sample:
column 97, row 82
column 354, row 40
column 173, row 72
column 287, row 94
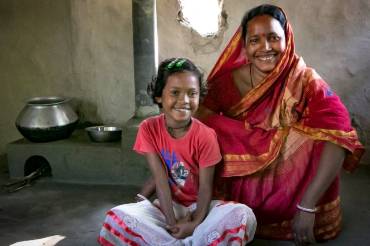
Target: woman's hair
column 264, row 9
column 169, row 67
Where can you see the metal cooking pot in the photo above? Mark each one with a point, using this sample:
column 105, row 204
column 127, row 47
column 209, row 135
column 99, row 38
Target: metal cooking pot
column 46, row 119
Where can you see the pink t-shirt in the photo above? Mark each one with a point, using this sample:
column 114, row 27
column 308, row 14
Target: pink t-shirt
column 182, row 157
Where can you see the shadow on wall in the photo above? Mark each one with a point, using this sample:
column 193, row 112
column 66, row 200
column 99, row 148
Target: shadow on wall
column 87, row 113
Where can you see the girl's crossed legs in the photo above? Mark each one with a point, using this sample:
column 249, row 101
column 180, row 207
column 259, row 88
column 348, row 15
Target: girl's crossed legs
column 142, row 223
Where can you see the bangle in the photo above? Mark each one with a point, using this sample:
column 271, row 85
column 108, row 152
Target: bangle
column 308, row 210
column 140, row 197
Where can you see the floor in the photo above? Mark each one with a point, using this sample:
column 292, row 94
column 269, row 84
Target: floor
column 75, row 212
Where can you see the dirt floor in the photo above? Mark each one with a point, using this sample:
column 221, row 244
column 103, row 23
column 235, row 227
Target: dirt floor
column 75, row 212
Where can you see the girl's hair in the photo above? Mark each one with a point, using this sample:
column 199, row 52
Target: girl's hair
column 169, row 67
column 264, row 9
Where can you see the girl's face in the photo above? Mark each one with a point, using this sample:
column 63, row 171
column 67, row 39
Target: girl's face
column 180, row 98
column 265, row 42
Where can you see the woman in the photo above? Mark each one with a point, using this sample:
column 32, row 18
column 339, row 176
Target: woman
column 283, row 132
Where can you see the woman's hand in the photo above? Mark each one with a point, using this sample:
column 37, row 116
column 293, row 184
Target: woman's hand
column 303, row 223
column 330, row 163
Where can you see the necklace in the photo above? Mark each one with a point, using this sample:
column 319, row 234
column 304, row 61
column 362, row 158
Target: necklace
column 250, row 75
column 171, row 130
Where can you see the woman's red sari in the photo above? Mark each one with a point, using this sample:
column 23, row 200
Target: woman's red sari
column 273, row 136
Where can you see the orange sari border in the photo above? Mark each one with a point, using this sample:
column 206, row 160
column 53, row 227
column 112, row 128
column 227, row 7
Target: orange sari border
column 330, row 135
column 347, row 140
column 229, row 50
column 246, row 164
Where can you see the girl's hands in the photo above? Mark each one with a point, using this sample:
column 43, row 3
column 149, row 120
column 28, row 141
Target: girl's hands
column 303, row 223
column 184, row 230
column 183, row 227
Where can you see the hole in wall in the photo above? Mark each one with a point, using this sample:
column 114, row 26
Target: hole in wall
column 37, row 164
column 205, row 17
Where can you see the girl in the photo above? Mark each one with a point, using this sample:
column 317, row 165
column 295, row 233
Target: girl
column 181, row 153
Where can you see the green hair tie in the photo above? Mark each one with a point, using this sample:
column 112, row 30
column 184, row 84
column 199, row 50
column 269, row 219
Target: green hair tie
column 171, row 64
column 178, row 62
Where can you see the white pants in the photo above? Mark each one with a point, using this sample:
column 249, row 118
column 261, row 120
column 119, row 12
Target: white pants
column 142, row 223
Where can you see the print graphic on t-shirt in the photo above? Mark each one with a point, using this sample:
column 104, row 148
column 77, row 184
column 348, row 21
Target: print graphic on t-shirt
column 176, row 169
column 179, row 173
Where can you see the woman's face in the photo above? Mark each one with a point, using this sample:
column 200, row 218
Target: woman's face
column 265, row 42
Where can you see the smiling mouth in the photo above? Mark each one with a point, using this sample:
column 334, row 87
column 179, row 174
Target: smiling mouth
column 266, row 57
column 182, row 109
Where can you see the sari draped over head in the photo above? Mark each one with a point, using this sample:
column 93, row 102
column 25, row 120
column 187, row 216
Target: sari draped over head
column 272, row 138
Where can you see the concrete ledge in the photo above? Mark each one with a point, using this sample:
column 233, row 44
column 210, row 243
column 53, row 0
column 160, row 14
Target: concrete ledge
column 78, row 160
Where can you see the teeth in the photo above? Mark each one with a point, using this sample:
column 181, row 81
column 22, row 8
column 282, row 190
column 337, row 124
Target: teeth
column 182, row 109
column 266, row 58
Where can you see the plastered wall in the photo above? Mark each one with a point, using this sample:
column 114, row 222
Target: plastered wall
column 80, row 49
column 83, row 49
column 332, row 36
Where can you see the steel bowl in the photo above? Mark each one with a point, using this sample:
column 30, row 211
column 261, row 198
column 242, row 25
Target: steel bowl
column 104, row 133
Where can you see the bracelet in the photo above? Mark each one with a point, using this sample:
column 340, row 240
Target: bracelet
column 308, row 210
column 142, row 198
